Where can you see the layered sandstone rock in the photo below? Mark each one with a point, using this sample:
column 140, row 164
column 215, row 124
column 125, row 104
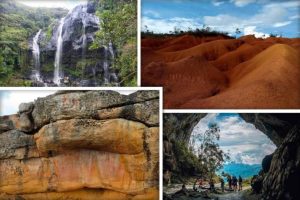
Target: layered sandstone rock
column 82, row 145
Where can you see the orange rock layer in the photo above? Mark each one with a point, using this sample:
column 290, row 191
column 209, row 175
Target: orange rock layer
column 81, row 156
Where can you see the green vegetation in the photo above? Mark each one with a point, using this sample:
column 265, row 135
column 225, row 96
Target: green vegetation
column 18, row 24
column 203, row 159
column 208, row 150
column 187, row 161
column 205, row 31
column 119, row 26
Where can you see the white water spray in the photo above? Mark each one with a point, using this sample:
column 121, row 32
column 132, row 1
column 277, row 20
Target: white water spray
column 58, row 54
column 36, row 57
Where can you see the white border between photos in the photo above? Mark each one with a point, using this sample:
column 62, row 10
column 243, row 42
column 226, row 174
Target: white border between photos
column 231, row 111
column 114, row 89
column 139, row 21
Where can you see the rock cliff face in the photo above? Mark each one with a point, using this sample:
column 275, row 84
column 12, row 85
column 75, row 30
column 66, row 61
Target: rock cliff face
column 282, row 173
column 82, row 145
column 85, row 67
column 283, row 177
column 177, row 127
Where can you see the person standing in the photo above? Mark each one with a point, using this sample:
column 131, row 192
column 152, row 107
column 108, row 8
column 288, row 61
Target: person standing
column 222, row 184
column 212, row 184
column 229, row 180
column 234, row 183
column 240, row 183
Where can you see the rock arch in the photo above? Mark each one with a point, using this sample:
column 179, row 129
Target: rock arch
column 283, row 178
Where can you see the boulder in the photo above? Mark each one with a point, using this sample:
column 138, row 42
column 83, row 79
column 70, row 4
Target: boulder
column 82, row 145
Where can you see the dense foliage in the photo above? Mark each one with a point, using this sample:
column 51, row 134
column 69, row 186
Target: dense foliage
column 205, row 31
column 18, row 24
column 187, row 162
column 203, row 156
column 119, row 26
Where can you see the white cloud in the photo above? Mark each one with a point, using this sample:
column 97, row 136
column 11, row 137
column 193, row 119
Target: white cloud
column 167, row 25
column 295, row 17
column 280, row 24
column 250, row 30
column 242, row 3
column 271, row 15
column 217, row 3
column 151, row 13
column 68, row 4
column 244, row 142
column 285, row 4
column 10, row 100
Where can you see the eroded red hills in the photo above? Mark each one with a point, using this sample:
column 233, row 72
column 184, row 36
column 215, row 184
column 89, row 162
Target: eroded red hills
column 218, row 72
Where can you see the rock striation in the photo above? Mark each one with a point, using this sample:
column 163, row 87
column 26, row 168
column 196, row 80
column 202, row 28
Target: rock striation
column 82, row 145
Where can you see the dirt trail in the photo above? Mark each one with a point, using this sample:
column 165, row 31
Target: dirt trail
column 224, row 196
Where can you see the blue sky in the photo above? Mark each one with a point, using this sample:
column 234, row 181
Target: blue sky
column 259, row 17
column 245, row 143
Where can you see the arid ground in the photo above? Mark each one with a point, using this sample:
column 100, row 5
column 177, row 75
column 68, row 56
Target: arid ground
column 221, row 72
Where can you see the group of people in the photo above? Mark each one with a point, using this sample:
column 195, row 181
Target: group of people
column 233, row 183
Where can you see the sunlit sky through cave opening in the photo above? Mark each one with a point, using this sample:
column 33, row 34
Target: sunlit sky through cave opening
column 245, row 144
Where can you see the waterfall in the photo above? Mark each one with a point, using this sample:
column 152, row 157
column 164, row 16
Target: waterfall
column 58, row 54
column 36, row 57
column 111, row 50
column 84, row 39
column 109, row 56
column 106, row 66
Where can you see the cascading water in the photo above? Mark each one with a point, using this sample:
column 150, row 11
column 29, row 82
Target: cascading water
column 84, row 39
column 108, row 57
column 106, row 66
column 36, row 76
column 58, row 54
column 111, row 50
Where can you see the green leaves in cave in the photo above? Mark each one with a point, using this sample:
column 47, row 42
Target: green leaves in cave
column 203, row 156
column 118, row 24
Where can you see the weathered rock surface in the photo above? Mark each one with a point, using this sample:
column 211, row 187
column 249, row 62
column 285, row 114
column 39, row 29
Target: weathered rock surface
column 125, row 138
column 283, row 179
column 82, row 145
column 281, row 176
column 177, row 127
column 275, row 126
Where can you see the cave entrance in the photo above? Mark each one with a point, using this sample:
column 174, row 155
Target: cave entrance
column 244, row 145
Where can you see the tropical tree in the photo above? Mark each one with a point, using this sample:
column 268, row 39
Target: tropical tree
column 118, row 19
column 208, row 150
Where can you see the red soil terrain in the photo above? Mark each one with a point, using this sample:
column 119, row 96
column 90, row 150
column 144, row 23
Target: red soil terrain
column 218, row 72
